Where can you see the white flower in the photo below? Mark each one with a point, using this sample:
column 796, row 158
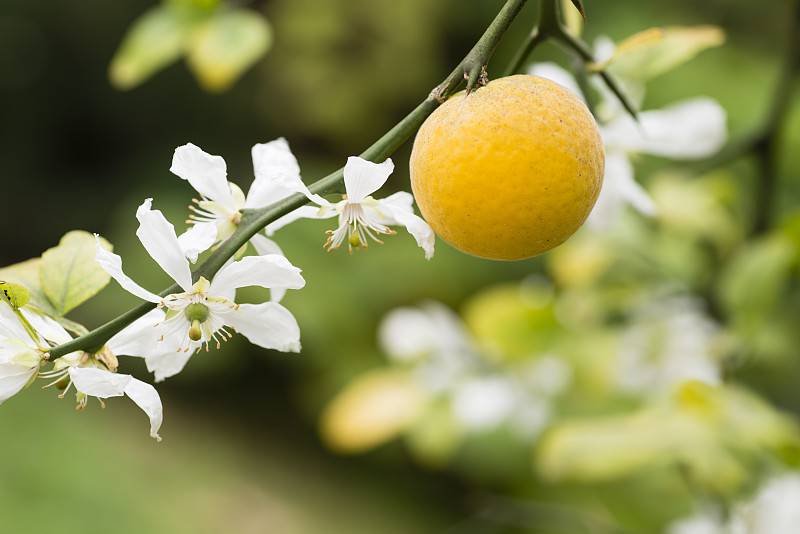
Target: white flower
column 91, row 378
column 102, row 384
column 689, row 129
column 20, row 357
column 446, row 362
column 670, row 340
column 434, row 339
column 484, row 403
column 201, row 313
column 774, row 510
column 361, row 216
column 20, row 360
column 160, row 356
column 222, row 201
column 703, row 523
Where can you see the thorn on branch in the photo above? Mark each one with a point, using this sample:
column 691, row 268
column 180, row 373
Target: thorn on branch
column 579, row 5
column 476, row 78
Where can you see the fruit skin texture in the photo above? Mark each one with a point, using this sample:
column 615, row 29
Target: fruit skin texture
column 509, row 171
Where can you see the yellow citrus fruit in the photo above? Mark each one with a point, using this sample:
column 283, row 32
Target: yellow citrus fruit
column 510, row 170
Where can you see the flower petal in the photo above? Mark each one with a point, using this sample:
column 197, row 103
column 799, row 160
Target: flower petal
column 159, row 239
column 265, row 246
column 97, row 382
column 166, row 363
column 266, row 271
column 267, row 325
column 207, row 174
column 273, row 164
column 140, row 338
column 399, row 207
column 303, row 212
column 146, row 397
column 46, row 326
column 197, row 239
column 619, row 189
column 14, row 378
column 689, row 129
column 10, row 327
column 112, row 264
column 286, row 179
column 362, row 177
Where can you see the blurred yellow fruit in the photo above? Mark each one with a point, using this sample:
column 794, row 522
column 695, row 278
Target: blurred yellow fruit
column 509, row 171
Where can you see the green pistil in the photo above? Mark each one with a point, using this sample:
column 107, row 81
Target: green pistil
column 196, row 314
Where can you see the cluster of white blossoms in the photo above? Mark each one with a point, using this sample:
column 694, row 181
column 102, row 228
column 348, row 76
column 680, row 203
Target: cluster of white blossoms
column 203, row 312
column 774, row 509
column 435, row 344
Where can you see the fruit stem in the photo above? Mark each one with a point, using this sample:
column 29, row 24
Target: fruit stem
column 474, row 65
column 254, row 220
column 550, row 25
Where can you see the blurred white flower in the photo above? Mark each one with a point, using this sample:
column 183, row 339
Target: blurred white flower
column 774, row 510
column 483, row 403
column 435, row 344
column 669, row 340
column 433, row 339
column 362, row 217
column 201, row 314
column 689, row 129
column 704, row 523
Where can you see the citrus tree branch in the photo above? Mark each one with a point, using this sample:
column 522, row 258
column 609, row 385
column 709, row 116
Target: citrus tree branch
column 549, row 26
column 254, row 220
column 766, row 143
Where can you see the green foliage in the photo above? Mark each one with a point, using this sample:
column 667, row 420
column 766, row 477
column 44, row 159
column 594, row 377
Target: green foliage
column 225, row 46
column 717, row 434
column 647, row 54
column 68, row 273
column 220, row 43
column 63, row 278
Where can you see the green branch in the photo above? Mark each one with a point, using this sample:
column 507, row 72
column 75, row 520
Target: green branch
column 255, row 220
column 549, row 26
column 766, row 143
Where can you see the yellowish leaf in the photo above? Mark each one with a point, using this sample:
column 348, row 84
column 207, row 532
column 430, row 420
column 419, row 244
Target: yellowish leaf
column 155, row 40
column 228, row 44
column 376, row 407
column 68, row 273
column 647, row 54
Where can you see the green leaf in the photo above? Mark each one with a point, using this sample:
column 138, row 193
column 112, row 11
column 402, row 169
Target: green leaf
column 154, row 41
column 197, row 4
column 434, row 438
column 76, row 328
column 756, row 277
column 26, row 274
column 227, row 45
column 68, row 273
column 647, row 54
column 512, row 321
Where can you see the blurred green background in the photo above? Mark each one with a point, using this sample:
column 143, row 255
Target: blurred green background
column 241, row 451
